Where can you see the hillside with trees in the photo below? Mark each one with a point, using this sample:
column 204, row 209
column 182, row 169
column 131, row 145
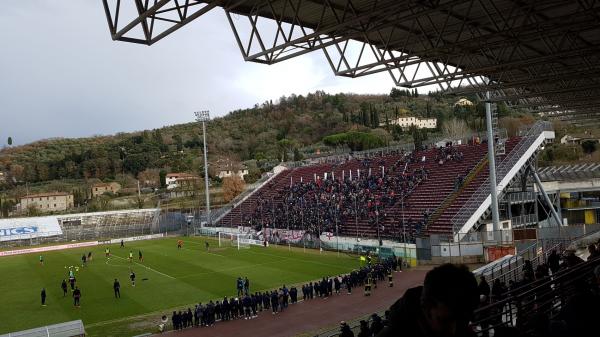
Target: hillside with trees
column 292, row 128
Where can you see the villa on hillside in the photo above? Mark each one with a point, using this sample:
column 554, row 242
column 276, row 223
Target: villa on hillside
column 47, row 202
column 420, row 123
column 227, row 168
column 182, row 180
column 463, row 102
column 568, row 139
column 101, row 188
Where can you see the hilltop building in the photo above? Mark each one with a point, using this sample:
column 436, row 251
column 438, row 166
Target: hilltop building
column 48, row 202
column 226, row 168
column 101, row 188
column 420, row 123
column 182, row 180
column 463, row 102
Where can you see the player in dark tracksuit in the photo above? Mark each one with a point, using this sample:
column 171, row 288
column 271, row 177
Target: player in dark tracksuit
column 63, row 286
column 274, row 301
column 247, row 303
column 76, row 296
column 43, row 295
column 117, row 288
column 266, row 301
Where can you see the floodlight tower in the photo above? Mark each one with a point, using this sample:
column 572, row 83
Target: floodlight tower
column 203, row 117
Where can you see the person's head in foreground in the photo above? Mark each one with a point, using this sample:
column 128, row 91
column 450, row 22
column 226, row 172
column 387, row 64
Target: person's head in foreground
column 448, row 299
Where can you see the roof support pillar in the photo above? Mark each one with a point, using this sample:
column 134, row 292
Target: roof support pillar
column 492, row 162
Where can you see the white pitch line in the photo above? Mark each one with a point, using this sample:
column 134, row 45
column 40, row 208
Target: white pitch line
column 115, row 265
column 298, row 259
column 234, row 268
column 139, row 264
column 201, row 251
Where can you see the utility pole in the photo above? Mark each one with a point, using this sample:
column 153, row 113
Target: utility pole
column 203, row 117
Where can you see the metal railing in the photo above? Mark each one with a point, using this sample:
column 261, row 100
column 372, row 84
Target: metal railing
column 71, row 329
column 518, row 197
column 502, row 170
column 523, row 220
column 342, row 155
column 545, row 296
column 218, row 214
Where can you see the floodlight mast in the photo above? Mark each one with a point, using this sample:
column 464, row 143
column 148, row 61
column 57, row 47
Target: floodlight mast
column 203, row 117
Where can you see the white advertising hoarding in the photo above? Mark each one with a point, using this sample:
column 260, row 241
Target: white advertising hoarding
column 27, row 228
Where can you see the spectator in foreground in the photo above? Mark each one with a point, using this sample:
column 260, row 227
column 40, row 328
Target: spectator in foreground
column 364, row 329
column 443, row 306
column 345, row 330
column 484, row 287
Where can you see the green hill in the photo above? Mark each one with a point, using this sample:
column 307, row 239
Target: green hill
column 264, row 132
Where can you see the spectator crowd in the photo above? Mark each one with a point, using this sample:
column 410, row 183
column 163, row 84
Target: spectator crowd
column 322, row 204
column 247, row 305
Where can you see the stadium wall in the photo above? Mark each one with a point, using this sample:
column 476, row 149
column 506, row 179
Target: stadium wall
column 78, row 245
column 327, row 241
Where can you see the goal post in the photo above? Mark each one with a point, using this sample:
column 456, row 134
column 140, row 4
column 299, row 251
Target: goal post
column 237, row 240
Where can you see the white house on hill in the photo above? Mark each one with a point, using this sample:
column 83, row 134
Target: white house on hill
column 420, row 123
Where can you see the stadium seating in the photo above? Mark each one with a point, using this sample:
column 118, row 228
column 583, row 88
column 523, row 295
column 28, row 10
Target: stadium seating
column 443, row 223
column 427, row 197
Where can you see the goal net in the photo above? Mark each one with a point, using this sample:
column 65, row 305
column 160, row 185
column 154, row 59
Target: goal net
column 237, row 240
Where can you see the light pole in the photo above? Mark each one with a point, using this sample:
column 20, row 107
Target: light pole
column 204, row 116
column 403, row 229
column 377, row 223
column 356, row 217
column 337, row 234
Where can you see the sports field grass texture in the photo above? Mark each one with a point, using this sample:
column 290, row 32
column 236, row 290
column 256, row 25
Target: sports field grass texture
column 169, row 278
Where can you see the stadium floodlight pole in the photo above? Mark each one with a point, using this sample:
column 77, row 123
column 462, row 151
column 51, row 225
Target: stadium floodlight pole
column 377, row 223
column 356, row 216
column 204, row 116
column 337, row 233
column 492, row 163
column 403, row 227
column 287, row 216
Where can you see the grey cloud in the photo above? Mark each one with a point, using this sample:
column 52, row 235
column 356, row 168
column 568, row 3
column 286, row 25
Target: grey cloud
column 62, row 76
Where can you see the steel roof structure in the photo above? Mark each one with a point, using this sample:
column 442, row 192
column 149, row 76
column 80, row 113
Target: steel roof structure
column 573, row 171
column 539, row 55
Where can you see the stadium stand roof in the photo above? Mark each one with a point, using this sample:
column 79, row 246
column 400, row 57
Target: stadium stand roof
column 568, row 172
column 538, row 55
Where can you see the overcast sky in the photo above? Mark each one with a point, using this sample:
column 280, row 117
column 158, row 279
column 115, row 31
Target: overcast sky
column 61, row 75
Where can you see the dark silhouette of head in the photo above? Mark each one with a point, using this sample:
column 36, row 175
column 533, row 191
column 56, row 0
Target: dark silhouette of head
column 449, row 297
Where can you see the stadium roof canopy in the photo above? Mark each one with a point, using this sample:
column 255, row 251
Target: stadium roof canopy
column 542, row 55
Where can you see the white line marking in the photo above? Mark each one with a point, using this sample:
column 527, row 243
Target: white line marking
column 115, row 265
column 201, row 251
column 139, row 264
column 234, row 268
column 298, row 259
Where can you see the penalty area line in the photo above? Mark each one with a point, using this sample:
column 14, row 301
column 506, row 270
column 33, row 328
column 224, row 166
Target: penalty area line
column 141, row 265
column 201, row 251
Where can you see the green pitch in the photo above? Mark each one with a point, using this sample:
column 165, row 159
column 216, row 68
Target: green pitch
column 167, row 279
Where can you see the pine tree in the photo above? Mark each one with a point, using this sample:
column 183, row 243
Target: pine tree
column 375, row 120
